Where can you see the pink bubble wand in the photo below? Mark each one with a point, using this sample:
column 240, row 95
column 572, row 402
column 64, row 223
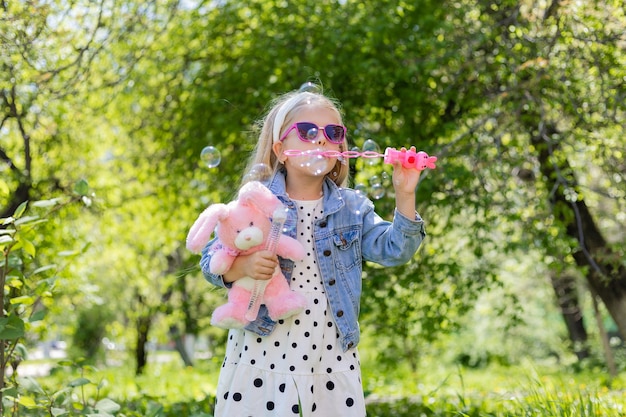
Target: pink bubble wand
column 278, row 220
column 408, row 158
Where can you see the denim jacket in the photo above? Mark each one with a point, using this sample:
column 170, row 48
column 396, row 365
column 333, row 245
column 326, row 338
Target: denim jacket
column 349, row 232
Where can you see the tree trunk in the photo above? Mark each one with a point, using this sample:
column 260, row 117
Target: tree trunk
column 568, row 299
column 607, row 277
column 606, row 345
column 141, row 353
column 606, row 274
column 181, row 347
column 20, row 195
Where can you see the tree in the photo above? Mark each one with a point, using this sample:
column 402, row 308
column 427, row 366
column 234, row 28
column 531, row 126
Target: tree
column 522, row 102
column 479, row 81
column 561, row 54
column 64, row 64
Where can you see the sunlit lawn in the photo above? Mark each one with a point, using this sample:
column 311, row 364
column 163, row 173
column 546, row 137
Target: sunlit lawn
column 527, row 390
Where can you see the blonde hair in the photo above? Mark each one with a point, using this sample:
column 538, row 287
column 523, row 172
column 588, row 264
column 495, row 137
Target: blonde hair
column 275, row 121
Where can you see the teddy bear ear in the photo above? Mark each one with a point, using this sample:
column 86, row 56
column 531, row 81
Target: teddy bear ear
column 202, row 229
column 258, row 195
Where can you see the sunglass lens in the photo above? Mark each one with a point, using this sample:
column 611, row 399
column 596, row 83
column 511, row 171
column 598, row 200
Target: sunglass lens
column 334, row 133
column 307, row 131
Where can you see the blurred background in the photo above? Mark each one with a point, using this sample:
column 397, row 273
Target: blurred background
column 106, row 107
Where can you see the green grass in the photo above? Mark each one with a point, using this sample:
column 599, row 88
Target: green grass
column 525, row 390
column 168, row 389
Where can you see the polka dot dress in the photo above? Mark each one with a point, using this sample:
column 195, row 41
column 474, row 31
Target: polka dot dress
column 299, row 369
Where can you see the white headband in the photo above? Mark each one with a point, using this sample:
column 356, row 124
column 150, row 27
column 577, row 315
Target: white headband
column 282, row 113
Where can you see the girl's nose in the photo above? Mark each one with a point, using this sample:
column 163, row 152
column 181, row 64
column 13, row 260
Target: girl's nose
column 320, row 139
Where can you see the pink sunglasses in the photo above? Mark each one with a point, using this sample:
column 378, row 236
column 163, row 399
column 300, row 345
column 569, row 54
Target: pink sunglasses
column 307, row 132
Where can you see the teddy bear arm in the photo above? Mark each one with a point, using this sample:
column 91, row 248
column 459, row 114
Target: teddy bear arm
column 290, row 248
column 221, row 262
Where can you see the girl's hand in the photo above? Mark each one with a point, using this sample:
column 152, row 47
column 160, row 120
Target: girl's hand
column 258, row 265
column 405, row 179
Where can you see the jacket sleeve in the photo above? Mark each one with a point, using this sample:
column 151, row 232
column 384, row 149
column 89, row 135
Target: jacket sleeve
column 391, row 243
column 205, row 259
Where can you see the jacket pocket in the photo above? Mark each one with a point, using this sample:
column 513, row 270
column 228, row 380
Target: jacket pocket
column 348, row 250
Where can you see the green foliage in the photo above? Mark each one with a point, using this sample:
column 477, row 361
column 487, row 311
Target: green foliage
column 91, row 327
column 167, row 390
column 145, row 86
column 26, row 285
column 411, row 407
column 29, row 398
column 28, row 288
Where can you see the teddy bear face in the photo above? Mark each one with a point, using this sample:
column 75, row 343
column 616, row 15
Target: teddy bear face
column 245, row 228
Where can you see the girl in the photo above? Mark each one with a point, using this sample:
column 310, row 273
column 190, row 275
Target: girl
column 308, row 364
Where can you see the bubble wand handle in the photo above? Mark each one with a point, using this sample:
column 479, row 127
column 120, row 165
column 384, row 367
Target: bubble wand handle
column 278, row 220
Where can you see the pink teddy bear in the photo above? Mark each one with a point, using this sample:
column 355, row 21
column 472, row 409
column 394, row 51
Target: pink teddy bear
column 243, row 227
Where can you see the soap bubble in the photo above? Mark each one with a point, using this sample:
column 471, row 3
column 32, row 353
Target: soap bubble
column 375, row 180
column 371, row 152
column 258, row 172
column 377, row 191
column 386, row 179
column 210, row 156
column 314, row 162
column 360, row 188
column 310, row 87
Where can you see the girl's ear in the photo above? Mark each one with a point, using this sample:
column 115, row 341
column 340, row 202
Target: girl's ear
column 278, row 151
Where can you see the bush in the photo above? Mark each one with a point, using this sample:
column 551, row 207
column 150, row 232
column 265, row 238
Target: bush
column 90, row 329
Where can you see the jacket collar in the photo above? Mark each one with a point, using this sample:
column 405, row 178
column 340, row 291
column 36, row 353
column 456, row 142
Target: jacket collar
column 333, row 200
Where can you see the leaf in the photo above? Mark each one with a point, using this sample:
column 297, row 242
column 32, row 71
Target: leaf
column 56, row 412
column 30, row 220
column 14, row 282
column 81, row 187
column 20, row 210
column 27, row 402
column 7, row 220
column 108, row 406
column 65, row 253
column 38, row 316
column 79, row 382
column 31, row 385
column 90, row 368
column 154, row 409
column 21, row 350
column 24, row 299
column 43, row 269
column 4, row 239
column 29, row 247
column 11, row 328
column 46, row 203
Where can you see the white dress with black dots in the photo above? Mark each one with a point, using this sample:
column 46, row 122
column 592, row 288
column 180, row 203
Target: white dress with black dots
column 299, row 369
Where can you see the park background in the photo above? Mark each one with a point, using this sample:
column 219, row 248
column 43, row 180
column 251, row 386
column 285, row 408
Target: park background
column 514, row 305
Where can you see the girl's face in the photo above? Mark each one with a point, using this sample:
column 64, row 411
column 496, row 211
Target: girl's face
column 309, row 163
